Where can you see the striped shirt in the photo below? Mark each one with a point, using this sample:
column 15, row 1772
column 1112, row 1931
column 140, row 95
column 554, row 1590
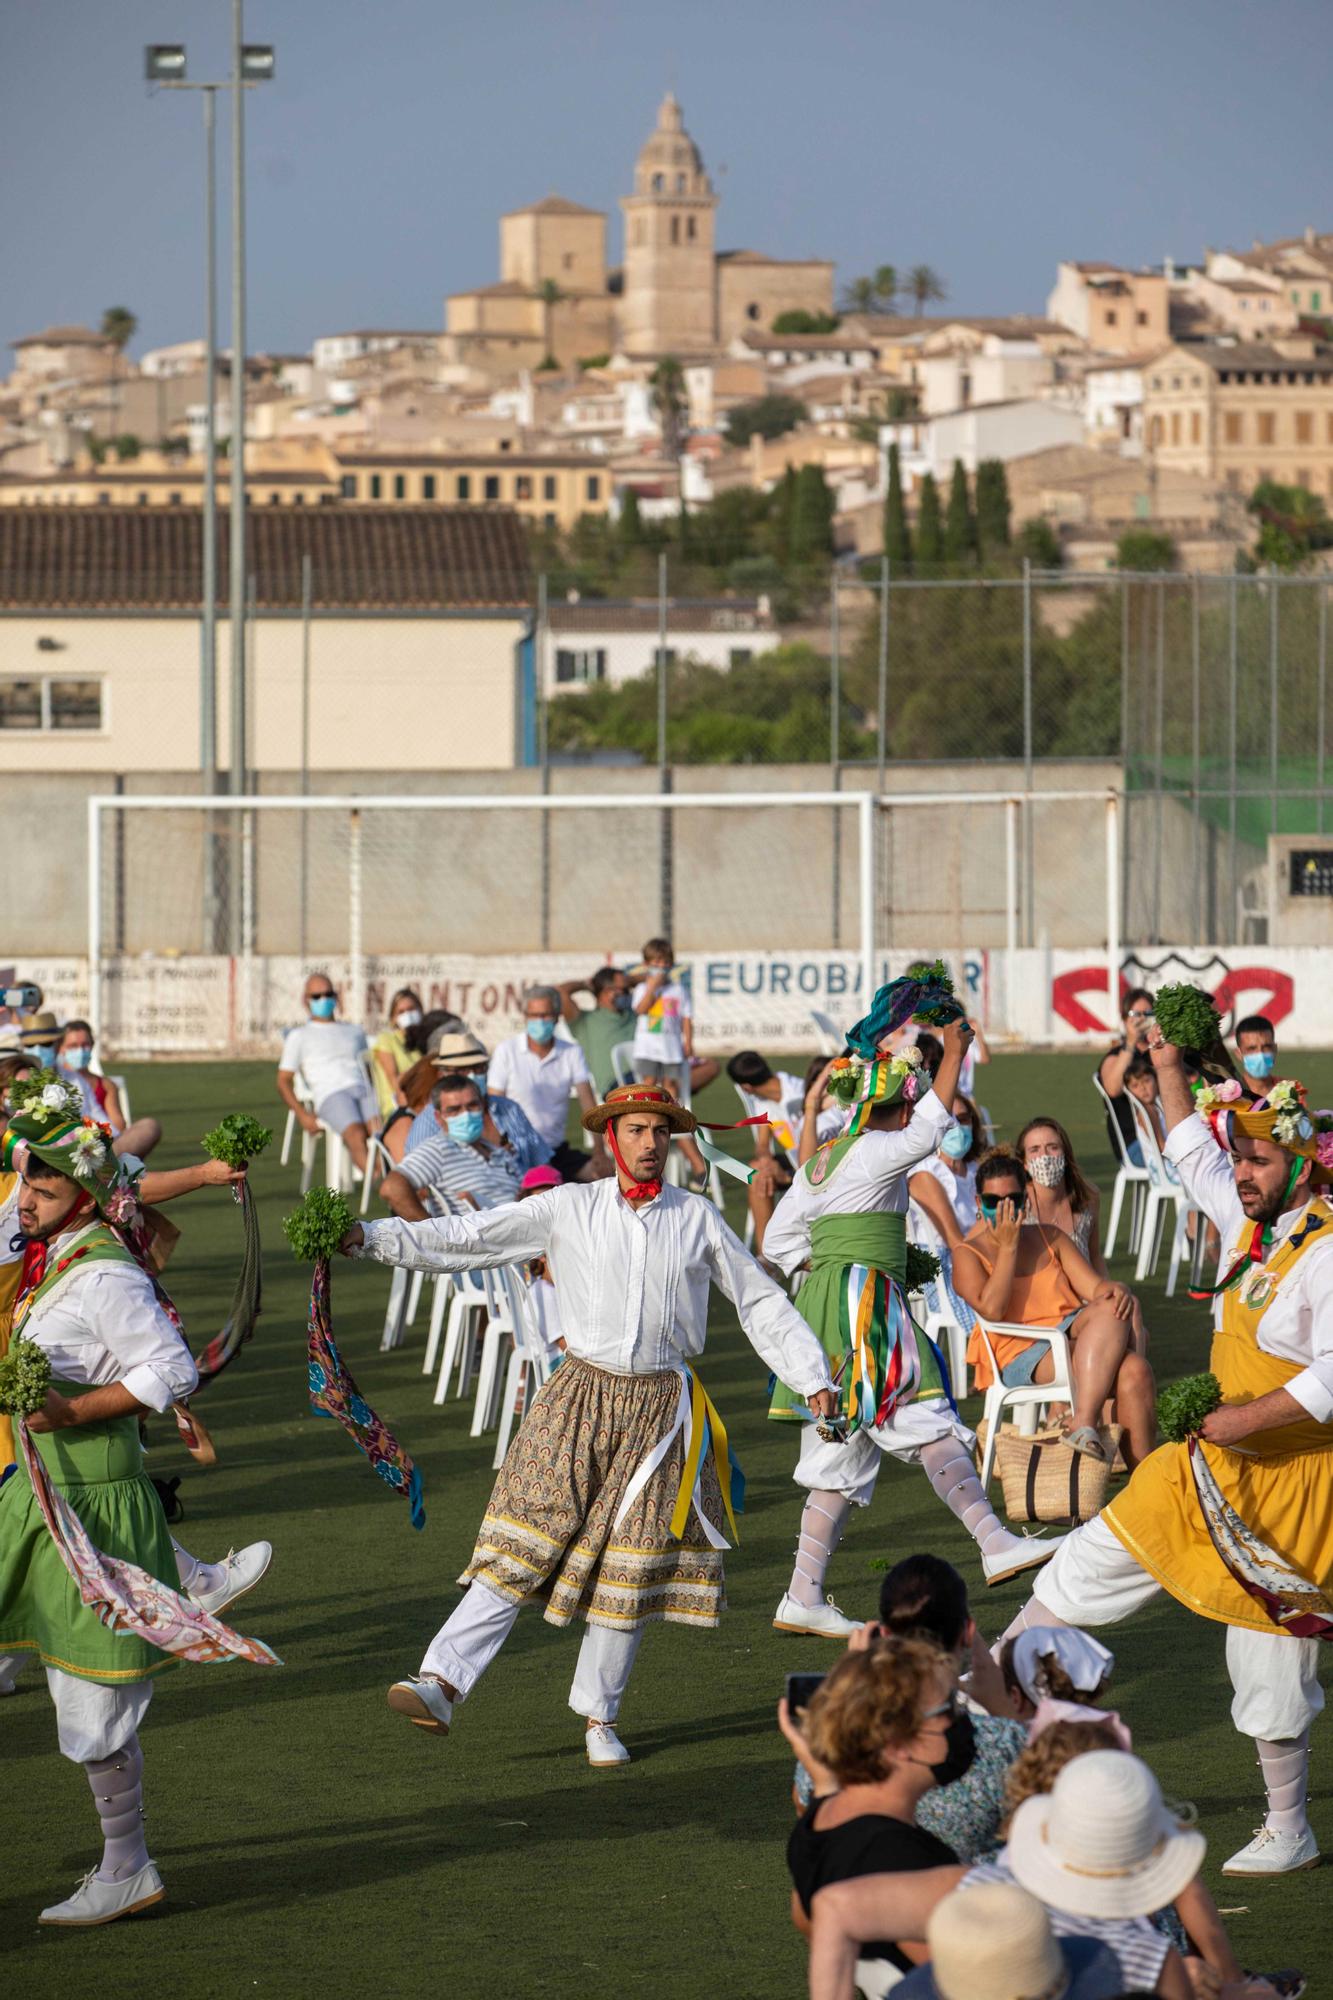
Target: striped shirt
column 510, row 1121
column 490, row 1177
column 1141, row 1949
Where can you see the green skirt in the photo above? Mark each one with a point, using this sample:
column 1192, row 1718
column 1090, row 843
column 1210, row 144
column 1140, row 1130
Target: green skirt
column 99, row 1470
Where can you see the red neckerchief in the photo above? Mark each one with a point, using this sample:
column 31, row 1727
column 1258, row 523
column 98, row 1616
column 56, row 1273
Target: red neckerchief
column 637, row 1190
column 35, row 1250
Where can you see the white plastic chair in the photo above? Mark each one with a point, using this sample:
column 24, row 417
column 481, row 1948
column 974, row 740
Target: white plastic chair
column 309, row 1140
column 1164, row 1193
column 376, row 1153
column 1029, row 1397
column 501, row 1324
column 1128, row 1176
column 938, row 1322
column 622, row 1062
column 529, row 1363
column 832, row 1041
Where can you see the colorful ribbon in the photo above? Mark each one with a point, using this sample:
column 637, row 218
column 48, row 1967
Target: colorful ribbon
column 333, row 1393
column 697, row 1417
column 247, row 1298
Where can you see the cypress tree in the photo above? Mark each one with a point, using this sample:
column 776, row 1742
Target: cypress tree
column 929, row 525
column 781, row 512
column 631, row 521
column 811, row 516
column 993, row 531
column 897, row 540
column 960, row 528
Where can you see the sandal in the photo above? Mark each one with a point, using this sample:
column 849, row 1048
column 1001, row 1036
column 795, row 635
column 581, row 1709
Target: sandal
column 1086, row 1440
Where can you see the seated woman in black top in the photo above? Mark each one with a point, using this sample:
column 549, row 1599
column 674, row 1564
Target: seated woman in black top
column 887, row 1724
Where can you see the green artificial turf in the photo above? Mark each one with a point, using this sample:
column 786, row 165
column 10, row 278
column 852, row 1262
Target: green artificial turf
column 314, row 1844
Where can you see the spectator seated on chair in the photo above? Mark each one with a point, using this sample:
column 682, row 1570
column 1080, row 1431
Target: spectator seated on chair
column 101, row 1098
column 1136, row 1017
column 944, row 1199
column 468, row 1158
column 1028, row 1275
column 1141, row 1084
column 664, row 1036
column 1256, row 1045
column 541, row 1073
column 461, row 1054
column 780, row 1097
column 603, row 1027
column 392, row 1056
column 327, row 1055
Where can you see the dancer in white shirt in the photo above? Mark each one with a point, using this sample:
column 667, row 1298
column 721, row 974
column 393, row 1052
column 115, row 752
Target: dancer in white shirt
column 612, row 1498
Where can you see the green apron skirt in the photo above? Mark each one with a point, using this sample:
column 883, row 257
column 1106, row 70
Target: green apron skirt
column 98, row 1468
column 853, row 1300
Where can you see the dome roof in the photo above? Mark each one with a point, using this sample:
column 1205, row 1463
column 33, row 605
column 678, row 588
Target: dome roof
column 669, row 161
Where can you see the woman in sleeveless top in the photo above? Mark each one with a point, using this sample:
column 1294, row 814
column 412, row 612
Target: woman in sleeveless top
column 1031, row 1275
column 1061, row 1196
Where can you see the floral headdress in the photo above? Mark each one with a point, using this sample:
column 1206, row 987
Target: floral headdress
column 862, row 1082
column 46, row 1119
column 1282, row 1117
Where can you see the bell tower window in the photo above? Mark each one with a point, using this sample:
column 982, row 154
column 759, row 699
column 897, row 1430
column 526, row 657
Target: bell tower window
column 659, row 183
column 675, row 229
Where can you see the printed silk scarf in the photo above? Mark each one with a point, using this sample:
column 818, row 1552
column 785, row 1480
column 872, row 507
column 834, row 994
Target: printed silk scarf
column 333, row 1393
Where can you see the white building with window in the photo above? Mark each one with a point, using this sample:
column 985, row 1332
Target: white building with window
column 985, row 430
column 594, row 640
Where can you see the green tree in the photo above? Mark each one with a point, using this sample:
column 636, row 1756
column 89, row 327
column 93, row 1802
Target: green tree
column 782, row 507
column 960, row 527
column 1145, row 549
column 812, row 517
column 992, row 507
column 929, row 524
column 886, row 286
column 551, row 296
column 897, row 537
column 126, row 445
column 629, row 528
column 769, row 416
column 1037, row 542
column 925, row 287
column 859, row 296
column 1293, row 523
column 671, row 408
column 799, row 321
column 119, row 326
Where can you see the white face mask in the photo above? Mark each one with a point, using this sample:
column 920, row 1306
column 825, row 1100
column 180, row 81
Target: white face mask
column 1047, row 1169
column 409, row 1018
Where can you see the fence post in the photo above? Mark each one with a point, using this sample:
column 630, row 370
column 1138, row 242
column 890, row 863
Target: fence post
column 95, row 917
column 356, row 969
column 1273, row 588
column 1113, row 904
column 1233, row 673
column 663, row 765
column 883, row 695
column 865, row 807
column 1159, row 754
column 540, row 654
column 305, row 744
column 1029, row 872
column 1321, row 691
column 1011, row 823
column 835, row 754
column 1196, row 762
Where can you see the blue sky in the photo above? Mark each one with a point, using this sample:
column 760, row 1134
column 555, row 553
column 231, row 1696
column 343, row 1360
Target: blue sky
column 987, row 139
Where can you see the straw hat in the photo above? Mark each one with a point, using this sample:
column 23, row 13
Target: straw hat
column 639, row 1097
column 1101, row 1843
column 455, row 1051
column 993, row 1942
column 39, row 1030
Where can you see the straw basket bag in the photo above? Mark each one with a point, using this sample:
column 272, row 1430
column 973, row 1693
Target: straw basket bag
column 1043, row 1480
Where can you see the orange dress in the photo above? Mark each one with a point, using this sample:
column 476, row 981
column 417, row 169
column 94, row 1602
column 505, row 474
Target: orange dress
column 1043, row 1297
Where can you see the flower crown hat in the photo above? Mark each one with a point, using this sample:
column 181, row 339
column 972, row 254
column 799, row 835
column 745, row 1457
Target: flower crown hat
column 46, row 1119
column 1282, row 1117
column 865, row 1077
column 862, row 1082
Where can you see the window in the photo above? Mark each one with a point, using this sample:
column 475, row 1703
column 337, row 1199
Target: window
column 491, row 489
column 567, row 261
column 275, row 499
column 659, row 182
column 428, row 485
column 593, row 486
column 1315, row 298
column 399, row 486
column 1233, row 427
column 1175, row 426
column 578, row 668
column 464, row 486
column 298, row 499
column 1155, row 432
column 664, row 659
column 104, row 498
column 522, row 486
column 1112, row 318
column 548, row 482
column 689, row 228
column 1267, row 427
column 375, row 486
column 548, row 520
column 680, row 183
column 142, row 499
column 1141, row 318
column 1304, row 427
column 173, row 499
column 1196, row 427
column 740, row 656
column 675, row 229
column 49, row 703
column 347, row 486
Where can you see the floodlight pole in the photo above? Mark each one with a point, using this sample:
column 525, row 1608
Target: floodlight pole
column 237, row 549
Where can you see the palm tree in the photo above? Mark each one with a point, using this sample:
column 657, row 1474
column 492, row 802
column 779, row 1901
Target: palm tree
column 671, row 409
column 551, row 296
column 886, row 287
column 119, row 327
column 926, row 286
column 860, row 296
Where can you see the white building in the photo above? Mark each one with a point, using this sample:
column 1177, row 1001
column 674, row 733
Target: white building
column 333, row 351
column 987, row 430
column 1113, row 406
column 603, row 640
column 185, row 357
column 998, row 371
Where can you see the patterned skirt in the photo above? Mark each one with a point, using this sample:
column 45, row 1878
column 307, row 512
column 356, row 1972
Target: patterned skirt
column 551, row 1530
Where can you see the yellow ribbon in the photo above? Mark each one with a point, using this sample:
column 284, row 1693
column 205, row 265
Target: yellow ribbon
column 701, row 1408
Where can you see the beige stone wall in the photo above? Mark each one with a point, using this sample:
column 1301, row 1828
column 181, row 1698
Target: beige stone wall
column 1131, row 320
column 750, row 296
column 668, row 303
column 568, row 249
column 1240, row 433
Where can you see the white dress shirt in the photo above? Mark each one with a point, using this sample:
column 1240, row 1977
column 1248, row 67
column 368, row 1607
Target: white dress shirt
column 1298, row 1324
column 632, row 1282
column 871, row 1179
column 541, row 1085
column 104, row 1325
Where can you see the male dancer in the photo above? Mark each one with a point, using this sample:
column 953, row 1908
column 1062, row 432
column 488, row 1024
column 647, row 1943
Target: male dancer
column 845, row 1215
column 611, row 1496
column 1238, row 1525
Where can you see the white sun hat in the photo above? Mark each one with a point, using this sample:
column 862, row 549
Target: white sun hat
column 1101, row 1843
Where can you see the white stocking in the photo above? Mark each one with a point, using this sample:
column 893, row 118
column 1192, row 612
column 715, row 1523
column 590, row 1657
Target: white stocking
column 196, row 1575
column 821, row 1531
column 118, row 1789
column 951, row 1472
column 1033, row 1614
column 1285, row 1767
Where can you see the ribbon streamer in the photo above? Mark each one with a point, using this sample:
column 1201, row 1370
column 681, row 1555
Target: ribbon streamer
column 697, row 1417
column 247, row 1298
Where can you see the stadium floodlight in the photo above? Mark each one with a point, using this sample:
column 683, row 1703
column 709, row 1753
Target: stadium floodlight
column 164, row 62
column 257, row 63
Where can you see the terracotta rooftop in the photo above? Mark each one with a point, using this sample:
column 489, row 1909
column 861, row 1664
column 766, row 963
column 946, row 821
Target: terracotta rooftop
column 362, row 558
column 553, row 204
column 62, row 336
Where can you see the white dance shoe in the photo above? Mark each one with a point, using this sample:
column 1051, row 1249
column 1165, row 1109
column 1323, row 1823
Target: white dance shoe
column 241, row 1571
column 1271, row 1853
column 1025, row 1552
column 604, row 1747
column 821, row 1621
column 423, row 1701
column 97, row 1902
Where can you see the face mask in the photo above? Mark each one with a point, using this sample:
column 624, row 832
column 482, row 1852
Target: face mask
column 46, row 1057
column 409, row 1018
column 622, row 1003
column 1259, row 1062
column 78, row 1058
column 541, row 1031
column 466, row 1126
column 322, row 1007
column 1047, row 1169
column 479, row 1078
column 960, row 1749
column 957, row 1142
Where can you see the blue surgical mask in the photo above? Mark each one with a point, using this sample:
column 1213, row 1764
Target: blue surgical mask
column 45, row 1054
column 466, row 1127
column 1259, row 1063
column 622, row 1003
column 78, row 1058
column 957, row 1142
column 479, row 1078
column 322, row 1007
column 541, row 1030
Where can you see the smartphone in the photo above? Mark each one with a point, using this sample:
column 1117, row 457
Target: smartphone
column 800, row 1692
column 23, row 999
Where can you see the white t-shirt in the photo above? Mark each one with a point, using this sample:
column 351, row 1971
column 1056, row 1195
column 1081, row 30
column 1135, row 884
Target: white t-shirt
column 657, row 1033
column 540, row 1085
column 326, row 1055
column 786, row 1117
column 960, row 1191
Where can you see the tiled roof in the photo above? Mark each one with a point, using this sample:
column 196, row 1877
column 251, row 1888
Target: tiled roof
column 1254, row 355
column 402, row 558
column 553, row 204
column 63, row 336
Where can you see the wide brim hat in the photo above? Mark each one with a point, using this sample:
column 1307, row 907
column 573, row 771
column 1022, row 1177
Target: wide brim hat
column 39, row 1030
column 1090, row 1967
column 1101, row 1842
column 1282, row 1118
column 455, row 1051
column 628, row 1097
